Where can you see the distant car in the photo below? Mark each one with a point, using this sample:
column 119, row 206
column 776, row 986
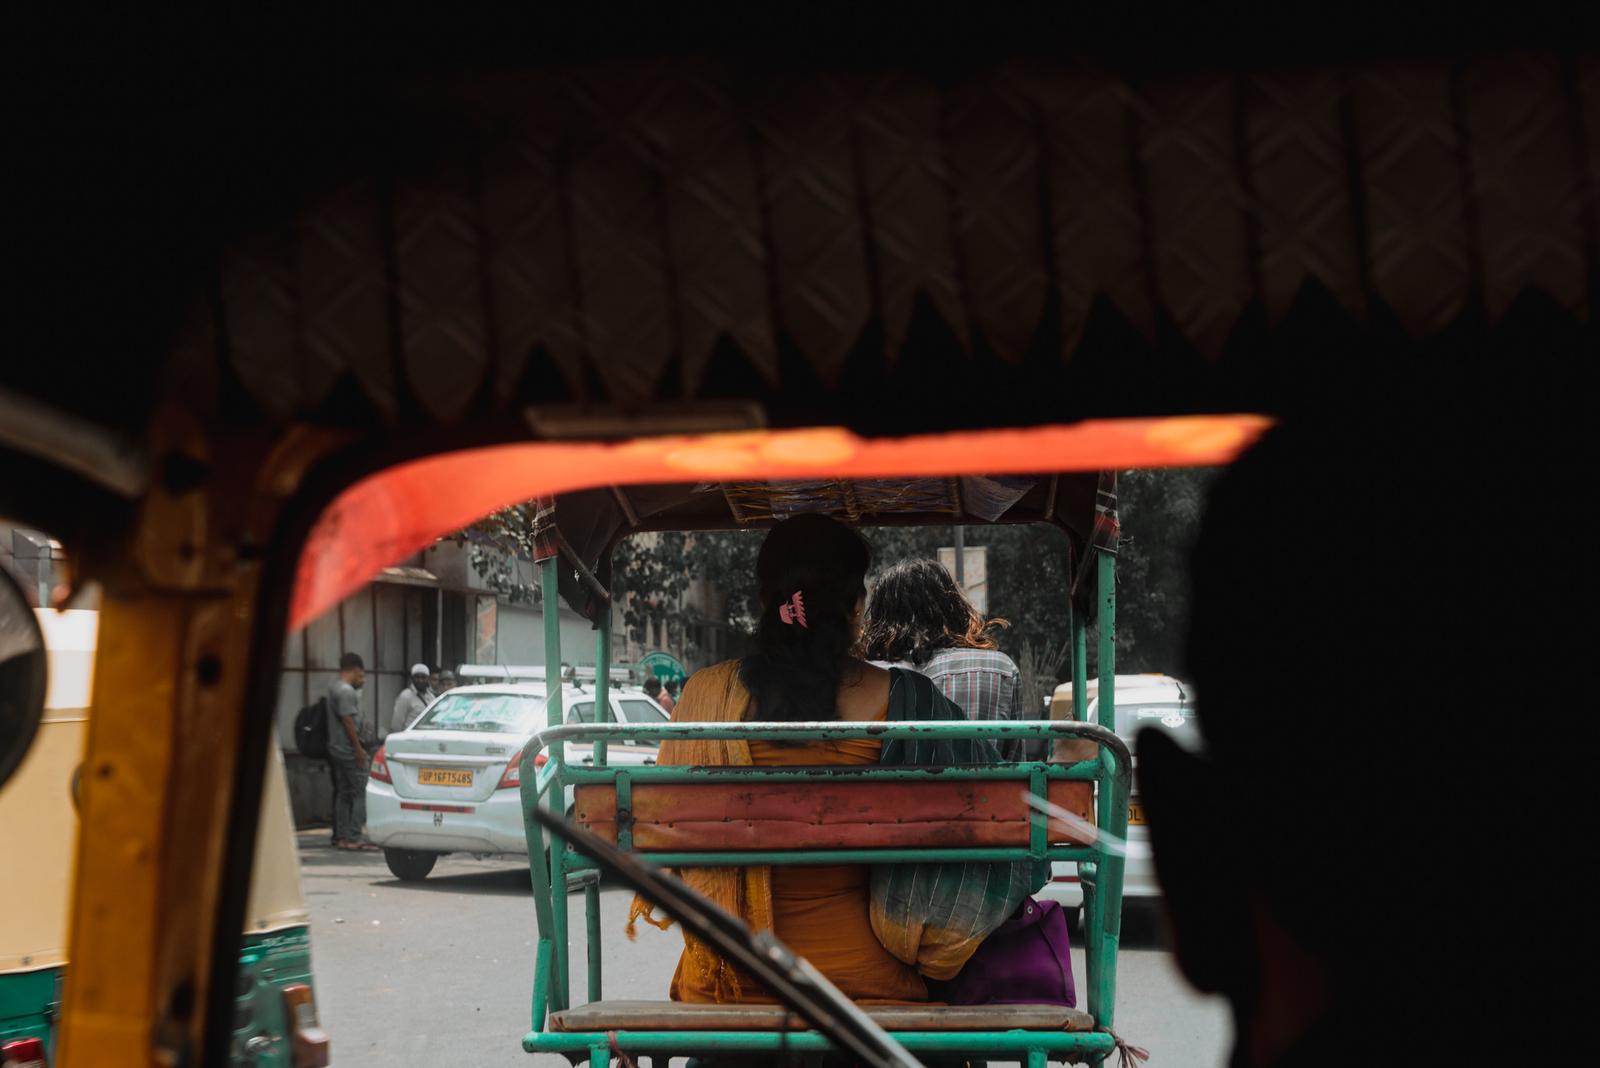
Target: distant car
column 1158, row 701
column 449, row 783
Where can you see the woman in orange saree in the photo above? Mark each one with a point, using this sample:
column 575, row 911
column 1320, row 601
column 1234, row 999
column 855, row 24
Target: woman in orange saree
column 863, row 929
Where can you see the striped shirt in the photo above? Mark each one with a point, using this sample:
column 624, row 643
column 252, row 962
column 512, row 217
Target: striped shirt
column 987, row 685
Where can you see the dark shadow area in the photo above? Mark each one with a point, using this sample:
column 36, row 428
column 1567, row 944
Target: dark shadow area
column 1144, row 926
column 507, row 882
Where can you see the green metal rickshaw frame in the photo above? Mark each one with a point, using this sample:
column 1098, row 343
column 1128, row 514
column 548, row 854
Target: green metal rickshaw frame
column 1100, row 868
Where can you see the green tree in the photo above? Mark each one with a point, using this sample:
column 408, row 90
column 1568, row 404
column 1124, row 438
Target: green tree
column 1027, row 574
column 650, row 572
column 1160, row 512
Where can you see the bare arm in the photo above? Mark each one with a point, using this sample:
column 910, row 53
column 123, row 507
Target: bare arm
column 349, row 724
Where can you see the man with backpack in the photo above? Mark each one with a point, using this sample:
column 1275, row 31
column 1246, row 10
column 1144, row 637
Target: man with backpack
column 347, row 757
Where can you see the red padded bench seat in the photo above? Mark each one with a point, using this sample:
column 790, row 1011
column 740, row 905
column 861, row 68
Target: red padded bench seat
column 828, row 814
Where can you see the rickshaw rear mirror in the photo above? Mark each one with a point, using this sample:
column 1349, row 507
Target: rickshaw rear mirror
column 23, row 671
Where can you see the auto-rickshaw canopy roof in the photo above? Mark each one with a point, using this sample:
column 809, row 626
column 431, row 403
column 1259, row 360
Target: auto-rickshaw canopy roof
column 883, row 244
column 584, row 526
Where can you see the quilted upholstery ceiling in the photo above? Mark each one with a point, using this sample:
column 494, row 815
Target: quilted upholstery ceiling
column 617, row 227
column 1021, row 243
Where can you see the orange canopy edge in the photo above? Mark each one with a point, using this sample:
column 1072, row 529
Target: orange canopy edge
column 386, row 517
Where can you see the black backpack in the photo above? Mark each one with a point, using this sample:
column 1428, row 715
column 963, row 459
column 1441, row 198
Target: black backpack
column 311, row 729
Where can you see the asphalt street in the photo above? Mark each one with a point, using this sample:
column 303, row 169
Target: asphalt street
column 441, row 972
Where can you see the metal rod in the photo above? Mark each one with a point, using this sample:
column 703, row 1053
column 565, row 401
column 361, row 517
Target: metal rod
column 1106, row 710
column 626, row 505
column 602, row 678
column 591, row 909
column 1113, row 802
column 961, row 558
column 596, row 587
column 549, row 580
column 1083, row 771
column 1080, row 668
column 801, row 857
column 832, row 730
column 810, row 1041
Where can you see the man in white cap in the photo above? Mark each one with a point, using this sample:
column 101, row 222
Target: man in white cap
column 412, row 700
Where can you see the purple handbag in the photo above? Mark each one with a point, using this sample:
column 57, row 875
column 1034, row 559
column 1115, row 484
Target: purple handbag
column 1026, row 961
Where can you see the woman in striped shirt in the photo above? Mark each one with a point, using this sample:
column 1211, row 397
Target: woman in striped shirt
column 918, row 617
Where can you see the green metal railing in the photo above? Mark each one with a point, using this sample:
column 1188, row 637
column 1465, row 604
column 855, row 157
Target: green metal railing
column 1111, row 770
column 1100, row 866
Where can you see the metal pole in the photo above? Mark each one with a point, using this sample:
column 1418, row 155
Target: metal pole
column 1080, row 666
column 1106, row 587
column 558, row 849
column 602, row 678
column 1113, row 808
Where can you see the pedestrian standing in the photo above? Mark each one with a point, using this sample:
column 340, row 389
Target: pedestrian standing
column 669, row 695
column 446, row 683
column 413, row 700
column 347, row 757
column 652, row 689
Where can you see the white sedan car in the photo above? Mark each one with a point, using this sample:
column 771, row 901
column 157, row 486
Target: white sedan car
column 450, row 782
column 1159, row 701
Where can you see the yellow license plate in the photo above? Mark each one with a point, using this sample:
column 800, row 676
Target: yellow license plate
column 1135, row 815
column 444, row 777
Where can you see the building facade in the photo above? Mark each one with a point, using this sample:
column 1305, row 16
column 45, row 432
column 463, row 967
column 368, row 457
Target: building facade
column 432, row 608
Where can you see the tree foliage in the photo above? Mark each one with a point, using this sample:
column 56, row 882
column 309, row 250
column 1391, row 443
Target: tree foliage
column 1027, row 575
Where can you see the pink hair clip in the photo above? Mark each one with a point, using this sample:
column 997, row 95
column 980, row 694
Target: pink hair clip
column 794, row 611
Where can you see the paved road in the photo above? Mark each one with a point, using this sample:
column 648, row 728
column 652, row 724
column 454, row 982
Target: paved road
column 440, row 972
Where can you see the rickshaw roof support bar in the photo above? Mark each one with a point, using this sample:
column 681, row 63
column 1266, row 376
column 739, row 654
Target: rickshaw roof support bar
column 550, row 582
column 626, row 505
column 1107, row 895
column 602, row 706
column 596, row 587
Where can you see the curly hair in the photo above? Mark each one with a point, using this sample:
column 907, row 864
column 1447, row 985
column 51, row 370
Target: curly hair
column 796, row 670
column 917, row 609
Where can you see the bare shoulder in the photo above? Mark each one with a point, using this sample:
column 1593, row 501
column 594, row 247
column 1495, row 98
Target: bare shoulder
column 873, row 675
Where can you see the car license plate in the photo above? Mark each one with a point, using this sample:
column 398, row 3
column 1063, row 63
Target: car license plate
column 444, row 776
column 1135, row 815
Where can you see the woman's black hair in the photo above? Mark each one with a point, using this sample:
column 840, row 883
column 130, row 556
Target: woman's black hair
column 796, row 670
column 917, row 609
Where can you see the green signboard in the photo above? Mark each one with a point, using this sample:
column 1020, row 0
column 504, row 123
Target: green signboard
column 663, row 666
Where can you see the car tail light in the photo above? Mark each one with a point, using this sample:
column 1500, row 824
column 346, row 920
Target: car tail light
column 1064, row 878
column 512, row 779
column 380, row 766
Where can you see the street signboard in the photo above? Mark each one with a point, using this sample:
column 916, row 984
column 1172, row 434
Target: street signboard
column 663, row 666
